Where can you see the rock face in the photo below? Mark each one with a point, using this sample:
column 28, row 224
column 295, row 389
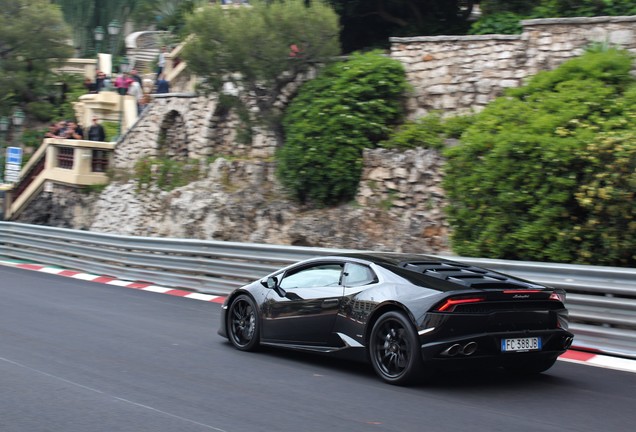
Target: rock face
column 63, row 206
column 396, row 209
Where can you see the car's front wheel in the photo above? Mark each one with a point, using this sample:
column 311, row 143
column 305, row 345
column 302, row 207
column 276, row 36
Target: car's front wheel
column 243, row 325
column 394, row 349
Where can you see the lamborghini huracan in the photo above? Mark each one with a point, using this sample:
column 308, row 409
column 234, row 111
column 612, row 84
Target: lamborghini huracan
column 408, row 315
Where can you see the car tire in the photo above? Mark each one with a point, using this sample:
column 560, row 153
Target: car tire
column 394, row 349
column 243, row 323
column 531, row 367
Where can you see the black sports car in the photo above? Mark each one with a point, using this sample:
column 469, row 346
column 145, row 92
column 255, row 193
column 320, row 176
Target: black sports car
column 407, row 314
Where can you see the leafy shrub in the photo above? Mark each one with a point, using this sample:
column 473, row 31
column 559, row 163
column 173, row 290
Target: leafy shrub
column 32, row 137
column 547, row 172
column 455, row 126
column 430, row 131
column 41, row 111
column 73, row 87
column 505, row 16
column 606, row 234
column 425, row 132
column 578, row 8
column 110, row 129
column 498, row 23
column 165, row 173
column 351, row 106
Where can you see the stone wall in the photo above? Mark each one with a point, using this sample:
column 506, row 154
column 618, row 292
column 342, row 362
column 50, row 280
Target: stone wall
column 399, row 207
column 456, row 74
column 143, row 139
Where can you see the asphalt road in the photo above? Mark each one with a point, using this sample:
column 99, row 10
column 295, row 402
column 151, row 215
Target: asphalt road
column 79, row 356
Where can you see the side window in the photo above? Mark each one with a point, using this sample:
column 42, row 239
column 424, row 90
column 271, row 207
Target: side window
column 358, row 275
column 320, row 275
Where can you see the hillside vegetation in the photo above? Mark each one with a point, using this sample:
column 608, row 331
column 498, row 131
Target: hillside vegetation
column 548, row 171
column 350, row 106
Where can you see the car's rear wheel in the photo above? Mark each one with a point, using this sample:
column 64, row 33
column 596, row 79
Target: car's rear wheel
column 243, row 324
column 394, row 349
column 530, row 367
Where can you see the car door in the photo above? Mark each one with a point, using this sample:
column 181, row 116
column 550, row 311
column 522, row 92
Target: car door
column 304, row 308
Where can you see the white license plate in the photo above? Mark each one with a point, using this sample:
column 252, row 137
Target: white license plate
column 521, row 344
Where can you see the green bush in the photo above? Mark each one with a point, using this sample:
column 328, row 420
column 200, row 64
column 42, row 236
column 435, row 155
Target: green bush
column 41, row 111
column 110, row 129
column 498, row 23
column 165, row 173
column 425, row 132
column 350, row 106
column 430, row 131
column 606, row 234
column 547, row 172
column 505, row 16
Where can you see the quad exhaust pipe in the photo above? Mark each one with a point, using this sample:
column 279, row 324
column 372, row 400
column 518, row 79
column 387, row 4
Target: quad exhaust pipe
column 567, row 342
column 468, row 349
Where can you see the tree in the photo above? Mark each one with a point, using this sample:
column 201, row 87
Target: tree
column 84, row 16
column 371, row 22
column 165, row 14
column 505, row 16
column 261, row 48
column 33, row 38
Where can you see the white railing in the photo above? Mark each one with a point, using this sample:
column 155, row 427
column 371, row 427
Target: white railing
column 601, row 300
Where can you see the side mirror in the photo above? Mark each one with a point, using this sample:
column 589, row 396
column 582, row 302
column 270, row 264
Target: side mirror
column 272, row 282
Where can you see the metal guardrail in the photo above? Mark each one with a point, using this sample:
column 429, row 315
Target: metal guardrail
column 601, row 300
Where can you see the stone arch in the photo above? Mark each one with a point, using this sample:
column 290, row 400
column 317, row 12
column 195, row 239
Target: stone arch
column 173, row 137
column 218, row 136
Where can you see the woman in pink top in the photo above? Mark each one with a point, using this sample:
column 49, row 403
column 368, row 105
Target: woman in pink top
column 122, row 82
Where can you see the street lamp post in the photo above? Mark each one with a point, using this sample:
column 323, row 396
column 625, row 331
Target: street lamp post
column 99, row 37
column 113, row 31
column 4, row 127
column 17, row 120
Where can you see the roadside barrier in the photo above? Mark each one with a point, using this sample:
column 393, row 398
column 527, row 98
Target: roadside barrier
column 601, row 300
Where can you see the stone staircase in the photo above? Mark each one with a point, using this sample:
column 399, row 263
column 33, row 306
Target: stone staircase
column 142, row 49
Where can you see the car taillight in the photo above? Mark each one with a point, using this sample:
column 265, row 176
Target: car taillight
column 558, row 297
column 450, row 304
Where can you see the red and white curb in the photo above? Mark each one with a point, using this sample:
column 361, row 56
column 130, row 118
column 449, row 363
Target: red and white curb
column 572, row 356
column 599, row 360
column 143, row 286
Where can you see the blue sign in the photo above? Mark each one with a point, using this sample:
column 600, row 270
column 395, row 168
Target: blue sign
column 14, row 155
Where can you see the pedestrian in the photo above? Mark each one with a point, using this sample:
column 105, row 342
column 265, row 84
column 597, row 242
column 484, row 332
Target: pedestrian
column 145, row 101
column 90, row 85
column 163, row 86
column 100, row 79
column 137, row 92
column 96, row 131
column 135, row 76
column 161, row 61
column 71, row 131
column 52, row 132
column 122, row 82
column 60, row 130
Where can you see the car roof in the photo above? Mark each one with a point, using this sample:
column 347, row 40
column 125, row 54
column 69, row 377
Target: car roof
column 391, row 258
column 440, row 273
